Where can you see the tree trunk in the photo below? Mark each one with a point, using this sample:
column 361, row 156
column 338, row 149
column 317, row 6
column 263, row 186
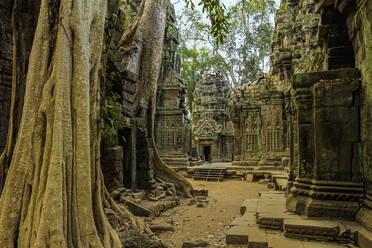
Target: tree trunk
column 54, row 192
column 24, row 19
column 147, row 35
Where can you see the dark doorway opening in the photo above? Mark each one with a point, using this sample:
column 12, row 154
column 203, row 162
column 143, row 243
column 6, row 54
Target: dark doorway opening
column 207, row 153
column 127, row 149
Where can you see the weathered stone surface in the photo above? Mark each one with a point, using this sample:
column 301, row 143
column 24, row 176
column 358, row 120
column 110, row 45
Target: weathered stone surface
column 195, row 243
column 237, row 235
column 257, row 238
column 112, row 167
column 257, row 114
column 311, row 229
column 172, row 126
column 249, row 206
column 213, row 133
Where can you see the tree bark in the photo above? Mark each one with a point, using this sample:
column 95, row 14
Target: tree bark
column 24, row 19
column 54, row 192
column 147, row 32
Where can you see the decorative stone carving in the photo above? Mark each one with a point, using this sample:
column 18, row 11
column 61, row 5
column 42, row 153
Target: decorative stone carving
column 171, row 124
column 213, row 135
column 257, row 114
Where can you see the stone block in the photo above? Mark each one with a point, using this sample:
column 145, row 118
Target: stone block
column 363, row 238
column 248, row 219
column 136, row 209
column 113, row 153
column 257, row 238
column 311, row 229
column 249, row 205
column 237, row 235
column 274, row 219
column 195, row 243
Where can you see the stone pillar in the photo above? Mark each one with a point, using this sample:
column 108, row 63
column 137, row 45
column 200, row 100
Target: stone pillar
column 329, row 180
column 133, row 162
column 112, row 167
column 362, row 30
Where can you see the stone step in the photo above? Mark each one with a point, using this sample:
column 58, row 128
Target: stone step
column 274, row 219
column 249, row 205
column 311, row 229
column 251, row 236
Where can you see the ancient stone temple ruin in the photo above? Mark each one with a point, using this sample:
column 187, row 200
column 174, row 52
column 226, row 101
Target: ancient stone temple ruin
column 213, row 135
column 172, row 126
column 315, row 108
column 5, row 71
column 257, row 112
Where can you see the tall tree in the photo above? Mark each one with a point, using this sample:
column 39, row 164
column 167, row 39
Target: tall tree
column 244, row 52
column 54, row 193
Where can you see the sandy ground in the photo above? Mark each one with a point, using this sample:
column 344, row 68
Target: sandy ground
column 209, row 223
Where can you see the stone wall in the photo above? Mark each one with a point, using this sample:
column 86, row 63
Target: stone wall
column 5, row 68
column 257, row 111
column 321, row 62
column 213, row 134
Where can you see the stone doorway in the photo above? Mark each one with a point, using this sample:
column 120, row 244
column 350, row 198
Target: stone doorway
column 207, row 153
column 127, row 148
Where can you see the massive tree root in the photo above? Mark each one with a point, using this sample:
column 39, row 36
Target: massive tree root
column 147, row 35
column 54, row 192
column 23, row 26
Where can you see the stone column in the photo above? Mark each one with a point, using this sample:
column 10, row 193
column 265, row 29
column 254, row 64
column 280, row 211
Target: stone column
column 328, row 183
column 112, row 167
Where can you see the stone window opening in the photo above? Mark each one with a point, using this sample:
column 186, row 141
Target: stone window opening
column 252, row 142
column 274, row 139
column 167, row 139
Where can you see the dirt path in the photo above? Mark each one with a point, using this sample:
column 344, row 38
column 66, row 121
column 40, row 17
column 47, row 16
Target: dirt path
column 209, row 223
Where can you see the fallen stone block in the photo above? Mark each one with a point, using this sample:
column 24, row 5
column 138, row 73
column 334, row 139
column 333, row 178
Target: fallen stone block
column 161, row 228
column 195, row 243
column 136, row 209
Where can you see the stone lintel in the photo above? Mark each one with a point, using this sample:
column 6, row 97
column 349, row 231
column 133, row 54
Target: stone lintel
column 304, row 80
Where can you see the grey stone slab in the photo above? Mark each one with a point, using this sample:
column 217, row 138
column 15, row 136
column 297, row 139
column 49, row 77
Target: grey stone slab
column 245, row 220
column 257, row 238
column 249, row 205
column 237, row 235
column 278, row 240
column 318, row 244
column 311, row 229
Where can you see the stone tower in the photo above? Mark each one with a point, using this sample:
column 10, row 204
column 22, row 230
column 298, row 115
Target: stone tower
column 212, row 129
column 172, row 130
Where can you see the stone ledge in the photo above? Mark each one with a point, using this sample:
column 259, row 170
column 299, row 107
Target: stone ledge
column 303, row 80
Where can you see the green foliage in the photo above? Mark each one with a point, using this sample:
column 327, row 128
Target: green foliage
column 216, row 12
column 111, row 119
column 194, row 63
column 247, row 44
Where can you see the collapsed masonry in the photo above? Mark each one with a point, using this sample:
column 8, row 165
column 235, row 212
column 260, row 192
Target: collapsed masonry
column 212, row 129
column 315, row 108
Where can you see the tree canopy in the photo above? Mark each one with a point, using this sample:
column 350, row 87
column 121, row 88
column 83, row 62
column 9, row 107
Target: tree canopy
column 244, row 51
